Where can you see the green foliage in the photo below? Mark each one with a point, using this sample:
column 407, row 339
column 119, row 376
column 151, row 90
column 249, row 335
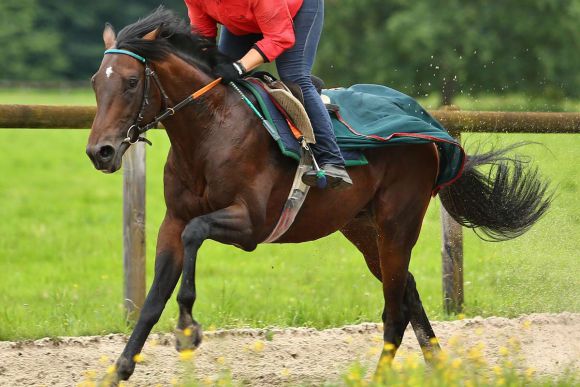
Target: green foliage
column 419, row 47
column 28, row 46
column 456, row 47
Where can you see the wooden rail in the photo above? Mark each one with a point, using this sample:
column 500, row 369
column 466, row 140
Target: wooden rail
column 80, row 117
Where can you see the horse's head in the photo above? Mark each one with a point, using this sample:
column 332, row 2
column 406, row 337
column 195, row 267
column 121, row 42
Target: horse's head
column 123, row 102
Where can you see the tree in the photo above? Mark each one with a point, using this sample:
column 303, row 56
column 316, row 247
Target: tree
column 28, row 48
column 454, row 46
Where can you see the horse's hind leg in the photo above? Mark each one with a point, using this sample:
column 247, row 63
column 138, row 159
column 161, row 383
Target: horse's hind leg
column 362, row 233
column 419, row 320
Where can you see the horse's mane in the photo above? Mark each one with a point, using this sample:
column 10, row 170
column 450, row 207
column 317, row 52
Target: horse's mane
column 174, row 36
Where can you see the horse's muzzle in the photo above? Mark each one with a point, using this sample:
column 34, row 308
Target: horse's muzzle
column 105, row 157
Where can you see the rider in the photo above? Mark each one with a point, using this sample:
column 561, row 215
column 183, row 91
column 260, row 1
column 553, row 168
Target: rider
column 288, row 31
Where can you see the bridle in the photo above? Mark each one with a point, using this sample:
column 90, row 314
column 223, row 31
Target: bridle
column 135, row 131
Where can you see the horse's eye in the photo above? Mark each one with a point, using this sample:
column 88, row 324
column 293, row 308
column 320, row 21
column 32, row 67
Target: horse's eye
column 133, row 82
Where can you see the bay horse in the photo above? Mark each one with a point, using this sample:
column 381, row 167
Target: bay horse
column 226, row 180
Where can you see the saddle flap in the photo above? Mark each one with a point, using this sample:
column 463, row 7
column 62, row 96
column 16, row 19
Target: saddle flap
column 291, row 106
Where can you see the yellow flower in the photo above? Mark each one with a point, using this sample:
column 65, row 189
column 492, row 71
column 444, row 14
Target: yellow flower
column 285, row 372
column 174, row 381
column 504, row 351
column 434, row 341
column 104, row 360
column 389, row 346
column 527, row 324
column 112, row 369
column 90, row 374
column 138, row 358
column 461, row 316
column 500, row 381
column 188, row 332
column 497, row 370
column 453, row 341
column 221, row 360
column 456, row 363
column 479, row 331
column 186, row 355
column 258, row 346
column 530, row 372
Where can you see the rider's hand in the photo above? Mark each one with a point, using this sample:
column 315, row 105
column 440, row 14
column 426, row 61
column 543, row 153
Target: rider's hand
column 230, row 71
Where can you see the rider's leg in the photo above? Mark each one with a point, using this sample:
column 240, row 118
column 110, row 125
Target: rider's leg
column 295, row 65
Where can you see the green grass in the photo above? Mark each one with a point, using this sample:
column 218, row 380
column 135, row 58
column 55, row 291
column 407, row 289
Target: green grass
column 61, row 250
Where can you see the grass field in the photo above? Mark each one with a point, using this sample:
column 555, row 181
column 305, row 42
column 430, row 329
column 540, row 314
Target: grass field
column 61, row 248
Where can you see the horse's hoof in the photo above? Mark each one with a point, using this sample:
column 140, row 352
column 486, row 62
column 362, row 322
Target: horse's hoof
column 188, row 338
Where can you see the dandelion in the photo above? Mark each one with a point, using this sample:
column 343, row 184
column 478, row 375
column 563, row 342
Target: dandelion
column 111, row 369
column 389, row 347
column 530, row 372
column 138, row 358
column 186, row 355
column 258, row 346
column 461, row 316
column 456, row 363
column 285, row 372
column 90, row 374
column 504, row 351
column 527, row 324
column 104, row 360
column 221, row 360
column 497, row 370
column 453, row 341
column 433, row 341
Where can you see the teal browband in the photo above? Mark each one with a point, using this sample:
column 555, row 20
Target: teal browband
column 117, row 51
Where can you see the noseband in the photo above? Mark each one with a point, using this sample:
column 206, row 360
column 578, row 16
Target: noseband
column 135, row 131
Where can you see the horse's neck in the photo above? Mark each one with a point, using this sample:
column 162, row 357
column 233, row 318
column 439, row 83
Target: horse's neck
column 212, row 126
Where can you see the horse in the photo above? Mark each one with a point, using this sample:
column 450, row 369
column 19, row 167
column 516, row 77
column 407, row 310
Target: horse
column 226, row 180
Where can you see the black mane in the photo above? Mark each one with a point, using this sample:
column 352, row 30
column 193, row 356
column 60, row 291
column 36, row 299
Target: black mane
column 174, row 36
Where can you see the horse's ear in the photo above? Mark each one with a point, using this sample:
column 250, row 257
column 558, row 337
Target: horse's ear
column 152, row 35
column 109, row 36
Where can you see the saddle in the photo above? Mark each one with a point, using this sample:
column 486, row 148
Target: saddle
column 289, row 99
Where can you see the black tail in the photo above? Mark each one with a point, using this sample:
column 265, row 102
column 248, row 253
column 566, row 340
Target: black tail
column 501, row 205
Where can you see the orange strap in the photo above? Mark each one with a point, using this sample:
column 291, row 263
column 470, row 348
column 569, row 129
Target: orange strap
column 206, row 88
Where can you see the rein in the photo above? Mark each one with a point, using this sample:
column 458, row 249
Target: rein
column 135, row 131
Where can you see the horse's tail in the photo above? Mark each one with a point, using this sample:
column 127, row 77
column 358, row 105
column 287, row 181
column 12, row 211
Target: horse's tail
column 502, row 204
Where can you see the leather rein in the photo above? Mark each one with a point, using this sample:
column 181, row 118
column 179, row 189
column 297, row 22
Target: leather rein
column 135, row 131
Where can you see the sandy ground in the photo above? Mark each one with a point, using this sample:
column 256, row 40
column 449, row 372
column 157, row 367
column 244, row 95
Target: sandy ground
column 550, row 343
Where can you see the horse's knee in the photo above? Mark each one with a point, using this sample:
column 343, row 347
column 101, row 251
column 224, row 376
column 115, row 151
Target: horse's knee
column 195, row 232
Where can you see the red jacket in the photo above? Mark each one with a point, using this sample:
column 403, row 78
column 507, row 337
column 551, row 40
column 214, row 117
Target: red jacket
column 271, row 18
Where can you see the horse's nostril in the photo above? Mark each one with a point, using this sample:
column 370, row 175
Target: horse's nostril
column 106, row 152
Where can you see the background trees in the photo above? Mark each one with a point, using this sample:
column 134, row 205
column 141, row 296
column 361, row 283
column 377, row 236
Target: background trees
column 420, row 47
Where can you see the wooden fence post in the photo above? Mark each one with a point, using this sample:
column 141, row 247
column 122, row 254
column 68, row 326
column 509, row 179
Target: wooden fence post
column 134, row 230
column 452, row 258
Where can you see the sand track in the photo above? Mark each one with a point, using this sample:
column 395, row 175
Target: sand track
column 549, row 343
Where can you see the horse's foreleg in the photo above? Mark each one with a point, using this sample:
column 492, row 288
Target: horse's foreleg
column 168, row 263
column 231, row 225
